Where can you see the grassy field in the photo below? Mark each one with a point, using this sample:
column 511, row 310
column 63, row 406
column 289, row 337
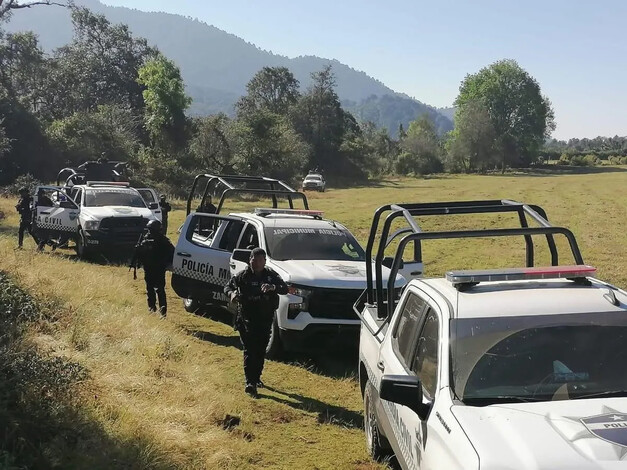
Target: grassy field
column 169, row 394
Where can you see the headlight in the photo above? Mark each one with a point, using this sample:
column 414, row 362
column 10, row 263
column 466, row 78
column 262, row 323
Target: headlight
column 294, row 308
column 299, row 291
column 91, row 225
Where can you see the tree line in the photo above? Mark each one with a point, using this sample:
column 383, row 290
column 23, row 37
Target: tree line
column 108, row 93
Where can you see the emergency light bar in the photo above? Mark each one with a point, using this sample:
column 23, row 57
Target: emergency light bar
column 109, row 183
column 517, row 274
column 267, row 211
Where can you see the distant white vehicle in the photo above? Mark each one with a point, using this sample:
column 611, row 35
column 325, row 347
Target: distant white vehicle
column 314, row 181
column 491, row 369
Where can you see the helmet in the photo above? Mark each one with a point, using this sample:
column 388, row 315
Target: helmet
column 153, row 226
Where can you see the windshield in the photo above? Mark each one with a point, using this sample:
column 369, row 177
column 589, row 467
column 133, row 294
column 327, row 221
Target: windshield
column 539, row 358
column 312, row 178
column 313, row 243
column 112, row 197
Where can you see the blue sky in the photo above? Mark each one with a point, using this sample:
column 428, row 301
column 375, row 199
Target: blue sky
column 576, row 50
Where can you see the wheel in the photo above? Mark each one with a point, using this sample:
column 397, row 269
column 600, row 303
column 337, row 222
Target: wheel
column 274, row 348
column 82, row 250
column 190, row 305
column 377, row 444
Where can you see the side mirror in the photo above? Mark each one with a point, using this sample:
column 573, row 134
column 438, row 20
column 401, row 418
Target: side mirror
column 67, row 205
column 388, row 260
column 404, row 390
column 241, row 255
column 153, row 205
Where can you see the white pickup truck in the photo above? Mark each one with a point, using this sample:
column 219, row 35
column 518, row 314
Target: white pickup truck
column 520, row 368
column 96, row 215
column 321, row 261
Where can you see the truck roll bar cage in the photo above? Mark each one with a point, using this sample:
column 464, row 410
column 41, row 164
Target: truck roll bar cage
column 236, row 184
column 413, row 233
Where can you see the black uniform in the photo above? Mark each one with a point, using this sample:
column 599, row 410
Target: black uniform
column 23, row 207
column 255, row 317
column 165, row 209
column 154, row 252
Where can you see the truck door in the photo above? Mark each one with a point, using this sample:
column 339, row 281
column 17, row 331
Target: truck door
column 55, row 212
column 200, row 269
column 247, row 241
column 152, row 201
column 397, row 354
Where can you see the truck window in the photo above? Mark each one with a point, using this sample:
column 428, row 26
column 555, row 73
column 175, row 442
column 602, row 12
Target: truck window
column 249, row 238
column 147, row 195
column 229, row 238
column 425, row 365
column 406, row 329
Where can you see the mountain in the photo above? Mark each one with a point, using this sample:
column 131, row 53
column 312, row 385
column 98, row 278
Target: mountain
column 215, row 65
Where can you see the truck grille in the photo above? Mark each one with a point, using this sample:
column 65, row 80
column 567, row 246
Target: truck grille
column 333, row 303
column 123, row 229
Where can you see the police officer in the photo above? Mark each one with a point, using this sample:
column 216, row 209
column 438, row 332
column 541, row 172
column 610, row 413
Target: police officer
column 154, row 252
column 257, row 290
column 165, row 210
column 23, row 207
column 207, row 207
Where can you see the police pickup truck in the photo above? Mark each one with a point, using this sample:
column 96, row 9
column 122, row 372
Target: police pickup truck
column 320, row 260
column 96, row 215
column 495, row 369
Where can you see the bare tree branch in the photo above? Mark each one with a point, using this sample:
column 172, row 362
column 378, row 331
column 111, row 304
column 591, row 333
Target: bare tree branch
column 7, row 5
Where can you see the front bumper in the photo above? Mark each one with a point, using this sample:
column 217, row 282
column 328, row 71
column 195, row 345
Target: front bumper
column 109, row 239
column 320, row 337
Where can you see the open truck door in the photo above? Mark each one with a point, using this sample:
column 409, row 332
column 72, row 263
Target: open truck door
column 55, row 213
column 201, row 259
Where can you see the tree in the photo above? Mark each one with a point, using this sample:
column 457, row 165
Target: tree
column 272, row 88
column 5, row 143
column 521, row 116
column 87, row 135
column 7, row 6
column 210, row 144
column 266, row 144
column 473, row 145
column 420, row 149
column 22, row 68
column 166, row 102
column 99, row 67
column 325, row 126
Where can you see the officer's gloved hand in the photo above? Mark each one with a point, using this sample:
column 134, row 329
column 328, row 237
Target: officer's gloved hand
column 234, row 297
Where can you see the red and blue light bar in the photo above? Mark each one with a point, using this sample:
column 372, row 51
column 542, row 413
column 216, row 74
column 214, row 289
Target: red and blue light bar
column 519, row 274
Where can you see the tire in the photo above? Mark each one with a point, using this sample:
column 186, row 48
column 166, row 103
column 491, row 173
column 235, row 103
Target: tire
column 82, row 250
column 377, row 444
column 274, row 350
column 190, row 305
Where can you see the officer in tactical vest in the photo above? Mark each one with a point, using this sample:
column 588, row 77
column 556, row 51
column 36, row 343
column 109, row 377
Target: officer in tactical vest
column 23, row 207
column 154, row 252
column 256, row 289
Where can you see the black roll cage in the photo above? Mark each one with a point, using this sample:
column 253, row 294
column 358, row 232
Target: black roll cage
column 385, row 307
column 274, row 189
column 79, row 175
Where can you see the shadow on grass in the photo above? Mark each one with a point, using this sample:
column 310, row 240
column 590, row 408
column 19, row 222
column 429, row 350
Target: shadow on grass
column 326, row 414
column 339, row 361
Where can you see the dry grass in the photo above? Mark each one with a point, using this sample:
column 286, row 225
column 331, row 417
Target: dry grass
column 174, row 389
